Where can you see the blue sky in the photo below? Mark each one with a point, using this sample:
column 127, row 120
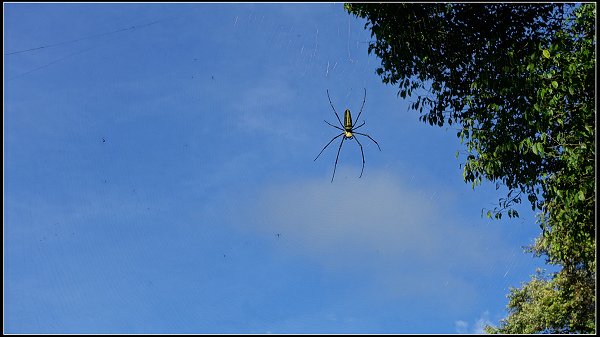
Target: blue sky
column 159, row 178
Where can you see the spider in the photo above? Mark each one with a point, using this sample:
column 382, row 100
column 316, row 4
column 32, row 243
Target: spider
column 348, row 132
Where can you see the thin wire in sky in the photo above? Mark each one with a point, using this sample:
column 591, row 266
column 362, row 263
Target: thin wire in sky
column 89, row 37
column 48, row 64
column 77, row 40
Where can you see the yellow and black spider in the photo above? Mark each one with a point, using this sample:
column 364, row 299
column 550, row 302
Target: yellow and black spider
column 348, row 131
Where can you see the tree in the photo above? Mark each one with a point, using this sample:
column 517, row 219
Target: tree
column 519, row 81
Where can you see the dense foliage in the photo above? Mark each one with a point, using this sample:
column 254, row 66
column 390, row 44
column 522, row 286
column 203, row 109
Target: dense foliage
column 518, row 80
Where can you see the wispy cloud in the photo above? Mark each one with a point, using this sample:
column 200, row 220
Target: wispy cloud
column 264, row 106
column 478, row 327
column 461, row 326
column 482, row 322
column 410, row 242
column 379, row 213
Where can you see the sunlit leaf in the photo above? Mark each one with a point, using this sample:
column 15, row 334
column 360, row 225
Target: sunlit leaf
column 546, row 53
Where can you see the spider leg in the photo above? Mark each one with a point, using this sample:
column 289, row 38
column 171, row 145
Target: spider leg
column 336, row 158
column 364, row 134
column 363, row 105
column 341, row 134
column 336, row 114
column 354, row 128
column 337, row 127
column 363, row 157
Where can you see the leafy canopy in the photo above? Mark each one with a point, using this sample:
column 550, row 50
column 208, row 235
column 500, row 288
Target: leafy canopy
column 517, row 80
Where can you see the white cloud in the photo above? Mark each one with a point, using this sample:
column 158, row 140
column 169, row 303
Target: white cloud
column 482, row 322
column 411, row 243
column 262, row 101
column 265, row 106
column 462, row 327
column 375, row 213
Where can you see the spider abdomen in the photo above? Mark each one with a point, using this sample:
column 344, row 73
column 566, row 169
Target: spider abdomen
column 347, row 121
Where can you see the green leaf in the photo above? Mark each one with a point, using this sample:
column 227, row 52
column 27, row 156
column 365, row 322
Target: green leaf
column 581, row 195
column 555, row 84
column 540, row 148
column 530, row 66
column 534, row 148
column 546, row 53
